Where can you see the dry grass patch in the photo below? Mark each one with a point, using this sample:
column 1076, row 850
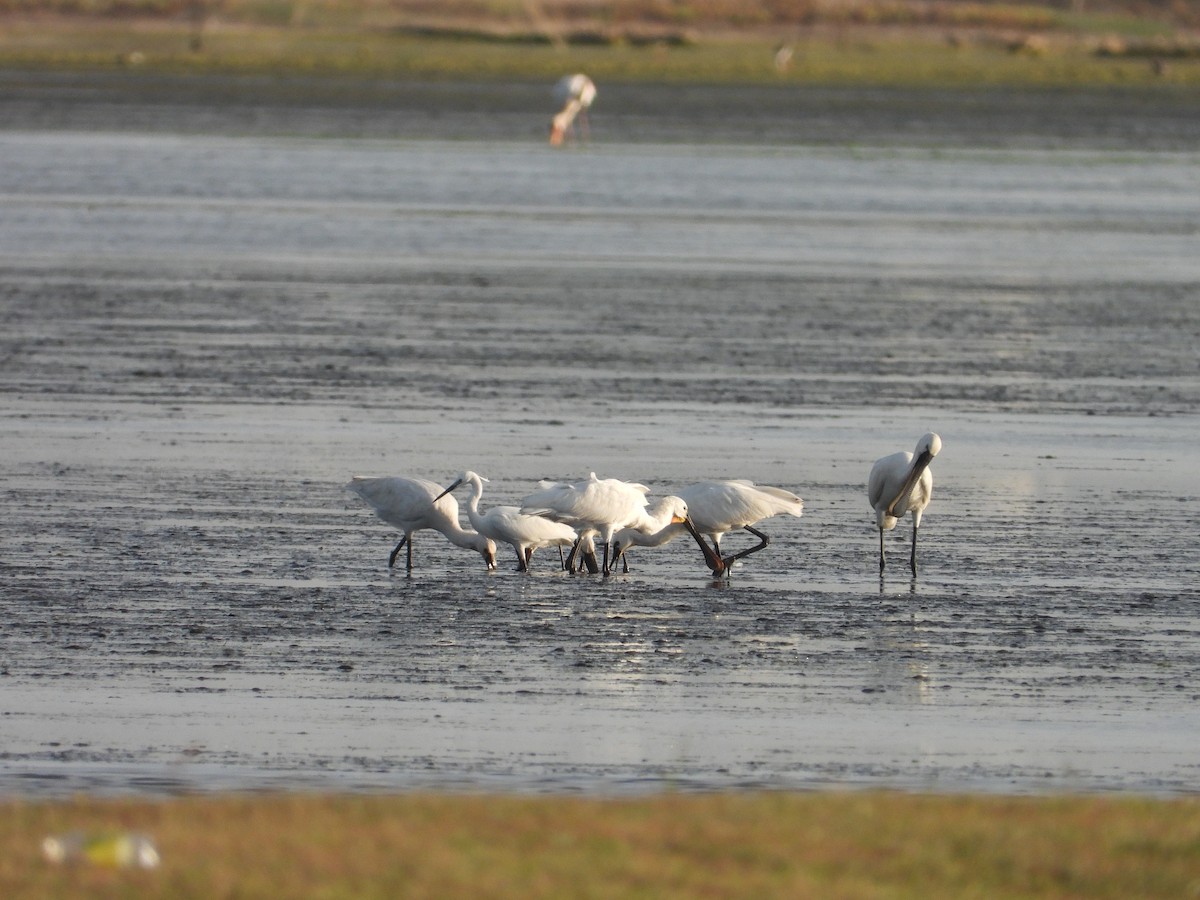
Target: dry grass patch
column 901, row 60
column 908, row 43
column 762, row 845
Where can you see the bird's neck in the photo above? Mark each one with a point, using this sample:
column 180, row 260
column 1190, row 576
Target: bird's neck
column 564, row 119
column 655, row 538
column 465, row 538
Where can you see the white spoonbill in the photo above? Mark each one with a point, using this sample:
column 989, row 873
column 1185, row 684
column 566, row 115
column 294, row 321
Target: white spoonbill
column 716, row 508
column 524, row 532
column 903, row 483
column 662, row 514
column 575, row 93
column 592, row 507
column 411, row 504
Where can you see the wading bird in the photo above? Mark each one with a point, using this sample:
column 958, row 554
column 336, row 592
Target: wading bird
column 524, row 532
column 903, row 483
column 411, row 504
column 664, row 513
column 715, row 508
column 575, row 93
column 592, row 507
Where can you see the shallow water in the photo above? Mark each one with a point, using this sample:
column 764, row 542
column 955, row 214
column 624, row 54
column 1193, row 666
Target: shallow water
column 205, row 336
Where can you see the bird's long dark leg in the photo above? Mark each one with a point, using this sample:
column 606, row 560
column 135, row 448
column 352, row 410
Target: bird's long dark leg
column 724, row 570
column 562, row 560
column 606, row 570
column 912, row 559
column 763, row 541
column 396, row 552
column 882, row 561
column 522, row 559
column 589, row 558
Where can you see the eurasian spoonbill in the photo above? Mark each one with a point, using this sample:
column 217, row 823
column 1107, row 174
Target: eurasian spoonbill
column 716, row 508
column 903, row 483
column 575, row 93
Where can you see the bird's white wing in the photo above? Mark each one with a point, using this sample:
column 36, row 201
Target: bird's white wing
column 400, row 497
column 785, row 501
column 887, row 478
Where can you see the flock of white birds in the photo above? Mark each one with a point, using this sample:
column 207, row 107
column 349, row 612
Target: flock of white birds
column 622, row 515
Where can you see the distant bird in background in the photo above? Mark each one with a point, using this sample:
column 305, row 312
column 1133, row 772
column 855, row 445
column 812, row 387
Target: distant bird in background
column 783, row 58
column 715, row 508
column 575, row 93
column 412, row 504
column 524, row 532
column 903, row 483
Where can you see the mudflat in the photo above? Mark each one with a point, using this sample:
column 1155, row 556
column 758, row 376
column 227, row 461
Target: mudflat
column 222, row 298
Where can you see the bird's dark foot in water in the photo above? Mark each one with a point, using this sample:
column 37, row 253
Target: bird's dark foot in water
column 719, row 567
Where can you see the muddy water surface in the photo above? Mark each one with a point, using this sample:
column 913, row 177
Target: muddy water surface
column 204, row 337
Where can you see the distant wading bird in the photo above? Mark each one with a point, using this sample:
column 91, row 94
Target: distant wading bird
column 575, row 93
column 716, row 508
column 412, row 504
column 524, row 532
column 903, row 483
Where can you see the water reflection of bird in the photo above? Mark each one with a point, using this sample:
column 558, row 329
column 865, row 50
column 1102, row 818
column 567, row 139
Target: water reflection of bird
column 716, row 508
column 575, row 93
column 524, row 532
column 903, row 483
column 412, row 504
column 595, row 507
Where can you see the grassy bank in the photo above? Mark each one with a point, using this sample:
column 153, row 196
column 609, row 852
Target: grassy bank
column 1000, row 45
column 761, row 845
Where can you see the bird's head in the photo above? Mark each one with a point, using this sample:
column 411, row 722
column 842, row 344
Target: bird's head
column 664, row 511
column 929, row 446
column 489, row 553
column 679, row 511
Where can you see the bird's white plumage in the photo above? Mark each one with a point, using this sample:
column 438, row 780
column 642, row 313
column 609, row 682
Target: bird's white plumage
column 597, row 506
column 575, row 87
column 902, row 483
column 576, row 93
column 595, row 503
column 523, row 531
column 718, row 507
column 409, row 505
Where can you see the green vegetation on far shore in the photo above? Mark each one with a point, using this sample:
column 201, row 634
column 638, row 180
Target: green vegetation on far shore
column 997, row 44
column 835, row 844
